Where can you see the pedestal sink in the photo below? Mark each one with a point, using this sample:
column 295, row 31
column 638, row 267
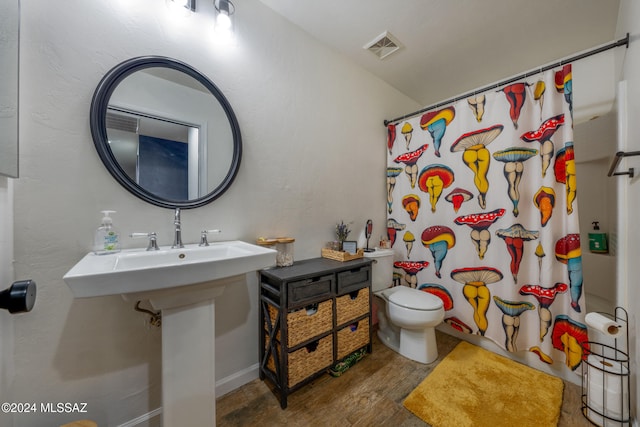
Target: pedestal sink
column 183, row 284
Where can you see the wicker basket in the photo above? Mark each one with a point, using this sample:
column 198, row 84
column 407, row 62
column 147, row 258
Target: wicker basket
column 306, row 323
column 310, row 359
column 353, row 337
column 341, row 256
column 307, row 360
column 352, row 305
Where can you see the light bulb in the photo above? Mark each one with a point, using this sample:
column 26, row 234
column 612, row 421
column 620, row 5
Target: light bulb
column 223, row 21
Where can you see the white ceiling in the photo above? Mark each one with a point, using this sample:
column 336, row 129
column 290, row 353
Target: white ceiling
column 454, row 46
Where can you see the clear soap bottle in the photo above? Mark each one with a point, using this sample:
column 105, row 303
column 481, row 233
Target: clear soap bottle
column 107, row 239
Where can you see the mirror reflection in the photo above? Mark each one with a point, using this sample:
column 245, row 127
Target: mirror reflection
column 166, row 132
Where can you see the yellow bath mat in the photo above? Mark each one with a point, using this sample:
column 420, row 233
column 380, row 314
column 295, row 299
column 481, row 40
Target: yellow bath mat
column 475, row 387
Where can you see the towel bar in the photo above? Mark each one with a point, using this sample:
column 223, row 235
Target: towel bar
column 619, row 155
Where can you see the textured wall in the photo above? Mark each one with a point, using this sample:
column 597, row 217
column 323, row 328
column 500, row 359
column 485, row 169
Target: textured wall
column 314, row 155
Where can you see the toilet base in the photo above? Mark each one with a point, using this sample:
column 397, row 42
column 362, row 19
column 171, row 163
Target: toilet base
column 390, row 339
column 419, row 345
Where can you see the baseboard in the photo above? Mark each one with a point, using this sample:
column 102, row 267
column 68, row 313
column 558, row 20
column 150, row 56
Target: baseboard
column 224, row 386
column 142, row 418
column 236, row 380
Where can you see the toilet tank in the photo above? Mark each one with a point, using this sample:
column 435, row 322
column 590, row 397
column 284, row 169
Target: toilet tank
column 381, row 269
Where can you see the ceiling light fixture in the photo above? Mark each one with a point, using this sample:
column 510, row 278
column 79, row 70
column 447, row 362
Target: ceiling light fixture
column 224, row 16
column 187, row 4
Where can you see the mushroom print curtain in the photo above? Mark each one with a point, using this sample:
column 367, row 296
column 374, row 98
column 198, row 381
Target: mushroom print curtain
column 482, row 212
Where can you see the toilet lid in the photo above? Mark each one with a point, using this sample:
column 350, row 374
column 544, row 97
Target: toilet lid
column 415, row 299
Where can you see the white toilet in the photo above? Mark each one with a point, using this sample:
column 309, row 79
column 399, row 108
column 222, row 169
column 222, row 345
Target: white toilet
column 407, row 317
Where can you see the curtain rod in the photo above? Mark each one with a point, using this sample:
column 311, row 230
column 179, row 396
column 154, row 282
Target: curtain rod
column 624, row 41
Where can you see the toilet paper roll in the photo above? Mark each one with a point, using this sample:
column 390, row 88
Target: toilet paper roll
column 602, row 323
column 607, row 391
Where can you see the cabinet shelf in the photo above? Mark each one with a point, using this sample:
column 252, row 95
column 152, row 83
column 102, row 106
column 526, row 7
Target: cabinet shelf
column 312, row 314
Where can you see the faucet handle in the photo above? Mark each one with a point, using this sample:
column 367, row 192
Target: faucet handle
column 203, row 236
column 153, row 239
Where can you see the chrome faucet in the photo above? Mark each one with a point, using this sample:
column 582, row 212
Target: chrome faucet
column 203, row 236
column 177, row 239
column 153, row 240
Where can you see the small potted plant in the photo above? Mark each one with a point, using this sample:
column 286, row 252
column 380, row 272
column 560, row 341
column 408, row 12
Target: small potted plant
column 342, row 232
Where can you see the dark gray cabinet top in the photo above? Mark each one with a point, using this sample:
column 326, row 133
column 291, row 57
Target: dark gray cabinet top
column 313, row 267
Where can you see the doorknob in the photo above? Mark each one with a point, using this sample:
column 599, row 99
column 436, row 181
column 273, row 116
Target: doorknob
column 19, row 297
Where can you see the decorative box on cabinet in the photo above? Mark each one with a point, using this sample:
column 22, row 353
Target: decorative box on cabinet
column 312, row 314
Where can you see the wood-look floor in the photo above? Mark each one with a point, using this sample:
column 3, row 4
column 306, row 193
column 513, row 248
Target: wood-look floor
column 369, row 394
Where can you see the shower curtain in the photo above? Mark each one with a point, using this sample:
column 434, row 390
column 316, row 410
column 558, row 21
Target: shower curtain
column 482, row 212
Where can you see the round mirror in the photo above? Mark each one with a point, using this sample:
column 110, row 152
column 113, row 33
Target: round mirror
column 165, row 132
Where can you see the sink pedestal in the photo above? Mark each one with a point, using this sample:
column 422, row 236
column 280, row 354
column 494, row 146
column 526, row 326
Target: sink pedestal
column 188, row 351
column 188, row 365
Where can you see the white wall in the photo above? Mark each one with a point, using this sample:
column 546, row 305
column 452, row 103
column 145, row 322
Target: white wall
column 629, row 190
column 595, row 141
column 313, row 155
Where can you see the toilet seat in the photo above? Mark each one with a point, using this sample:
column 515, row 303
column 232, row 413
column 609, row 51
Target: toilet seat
column 415, row 300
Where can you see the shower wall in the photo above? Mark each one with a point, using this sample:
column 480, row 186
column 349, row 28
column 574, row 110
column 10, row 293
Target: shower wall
column 595, row 144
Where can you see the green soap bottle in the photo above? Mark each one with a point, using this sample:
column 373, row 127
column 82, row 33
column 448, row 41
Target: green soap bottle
column 106, row 239
column 598, row 240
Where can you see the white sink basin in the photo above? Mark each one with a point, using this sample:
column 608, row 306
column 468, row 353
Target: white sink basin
column 138, row 270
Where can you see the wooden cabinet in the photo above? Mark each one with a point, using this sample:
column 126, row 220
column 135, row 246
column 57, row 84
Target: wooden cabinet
column 312, row 314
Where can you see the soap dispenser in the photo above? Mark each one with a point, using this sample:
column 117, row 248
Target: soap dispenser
column 598, row 240
column 107, row 240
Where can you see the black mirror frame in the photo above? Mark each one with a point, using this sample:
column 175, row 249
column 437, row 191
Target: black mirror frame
column 97, row 121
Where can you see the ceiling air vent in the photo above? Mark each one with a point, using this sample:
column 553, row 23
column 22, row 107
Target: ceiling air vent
column 122, row 122
column 383, row 45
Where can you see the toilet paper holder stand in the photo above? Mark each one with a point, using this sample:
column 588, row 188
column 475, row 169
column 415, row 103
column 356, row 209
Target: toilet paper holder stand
column 606, row 400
